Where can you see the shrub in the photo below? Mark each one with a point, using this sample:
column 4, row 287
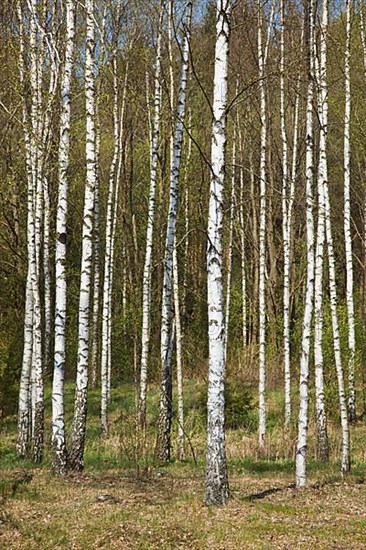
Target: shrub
column 238, row 405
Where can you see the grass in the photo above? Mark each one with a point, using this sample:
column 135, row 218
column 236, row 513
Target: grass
column 119, row 502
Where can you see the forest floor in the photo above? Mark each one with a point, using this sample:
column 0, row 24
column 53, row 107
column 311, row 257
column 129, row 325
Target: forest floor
column 119, row 502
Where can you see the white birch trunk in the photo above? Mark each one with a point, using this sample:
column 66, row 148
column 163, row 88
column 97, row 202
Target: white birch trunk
column 346, row 461
column 347, row 221
column 38, row 406
column 36, row 139
column 48, row 58
column 112, row 210
column 113, row 234
column 94, row 359
column 47, row 275
column 58, row 415
column 285, row 228
column 287, row 255
column 243, row 268
column 48, row 43
column 177, row 313
column 96, row 285
column 301, row 478
column 76, row 457
column 242, row 239
column 96, row 262
column 322, row 100
column 262, row 234
column 178, row 335
column 217, row 486
column 186, row 219
column 165, row 407
column 146, row 282
column 24, row 419
column 24, row 406
column 107, row 258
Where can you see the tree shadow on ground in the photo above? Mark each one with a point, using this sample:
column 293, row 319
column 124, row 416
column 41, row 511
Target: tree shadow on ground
column 267, row 492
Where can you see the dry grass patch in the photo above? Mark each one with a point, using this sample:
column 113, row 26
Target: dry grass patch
column 166, row 512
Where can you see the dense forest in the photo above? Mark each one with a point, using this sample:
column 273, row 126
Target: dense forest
column 183, row 214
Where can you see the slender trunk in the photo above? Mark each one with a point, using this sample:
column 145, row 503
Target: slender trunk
column 113, row 232
column 96, row 285
column 217, row 486
column 177, row 312
column 285, row 229
column 112, row 209
column 242, row 241
column 58, row 418
column 255, row 265
column 186, row 221
column 178, row 336
column 262, row 234
column 47, row 275
column 346, row 461
column 301, row 478
column 24, row 407
column 322, row 99
column 165, row 407
column 94, row 358
column 321, row 419
column 24, row 419
column 47, row 52
column 171, row 147
column 96, row 265
column 36, row 136
column 347, row 222
column 76, row 457
column 290, row 233
column 107, row 258
column 49, row 45
column 146, row 282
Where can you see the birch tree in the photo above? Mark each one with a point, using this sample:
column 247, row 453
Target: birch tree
column 262, row 55
column 36, row 162
column 58, row 418
column 146, row 282
column 290, row 204
column 94, row 359
column 112, row 209
column 286, row 228
column 52, row 60
column 242, row 242
column 165, row 406
column 177, row 314
column 106, row 309
column 346, row 462
column 24, row 406
column 322, row 100
column 178, row 339
column 301, row 448
column 76, row 455
column 347, row 220
column 217, row 486
column 186, row 218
